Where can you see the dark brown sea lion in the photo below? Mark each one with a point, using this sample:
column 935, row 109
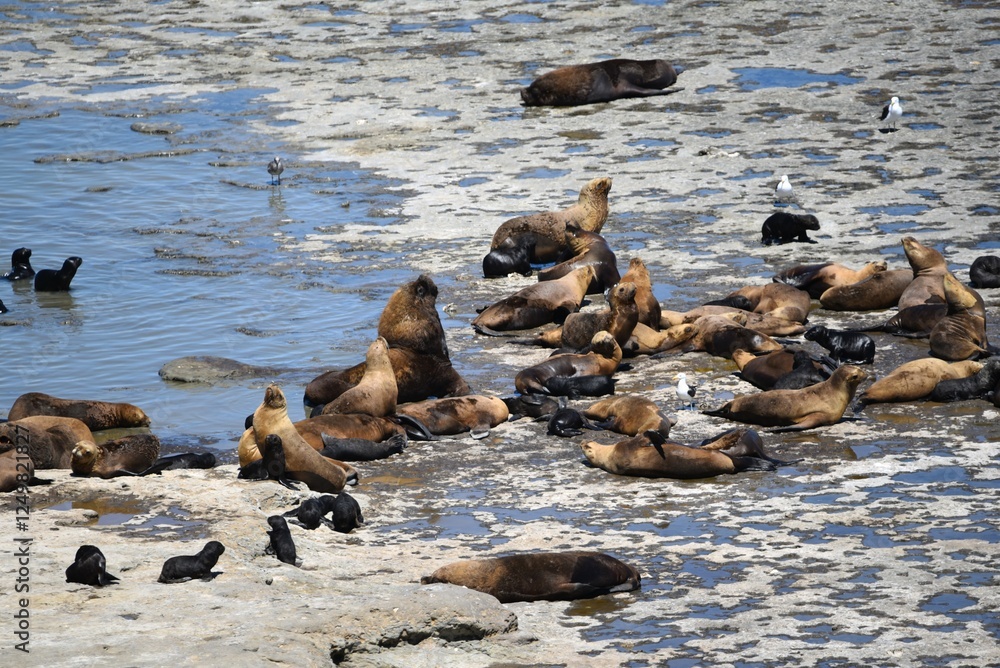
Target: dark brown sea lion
column 782, row 227
column 544, row 576
column 548, row 230
column 589, row 249
column 977, row 386
column 97, row 415
column 603, row 359
column 913, row 321
column 474, row 413
column 578, row 329
column 376, row 392
column 127, row 455
column 602, row 81
column 763, row 371
column 962, row 333
column 15, row 470
column 929, row 268
column 877, row 292
column 512, row 256
column 818, row 278
column 735, row 337
column 538, row 304
column 985, row 272
column 629, row 414
column 915, row 380
column 779, row 300
column 813, row 406
column 410, row 319
column 50, row 440
column 649, row 306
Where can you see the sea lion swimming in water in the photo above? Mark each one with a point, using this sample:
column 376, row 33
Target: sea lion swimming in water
column 97, row 415
column 602, row 81
column 57, row 280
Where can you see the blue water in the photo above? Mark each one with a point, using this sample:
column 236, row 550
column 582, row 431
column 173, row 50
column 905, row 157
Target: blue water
column 756, row 78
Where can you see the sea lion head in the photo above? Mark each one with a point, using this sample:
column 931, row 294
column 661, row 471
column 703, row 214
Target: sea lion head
column 274, row 397
column 920, row 257
column 622, row 293
column 85, row 455
column 605, row 345
column 957, row 295
column 850, row 375
column 596, row 189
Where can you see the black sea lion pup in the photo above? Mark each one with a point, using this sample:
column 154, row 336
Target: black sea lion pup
column 57, row 280
column 512, row 256
column 568, row 421
column 853, row 347
column 531, row 405
column 985, row 272
column 90, row 568
column 782, row 228
column 580, row 386
column 312, row 512
column 976, row 386
column 181, row 569
column 602, row 81
column 806, row 371
column 20, row 265
column 544, row 576
column 280, row 544
column 361, row 449
column 271, row 465
column 346, row 513
column 188, row 460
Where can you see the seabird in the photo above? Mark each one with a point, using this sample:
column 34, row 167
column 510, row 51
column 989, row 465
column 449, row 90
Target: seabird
column 783, row 190
column 685, row 392
column 275, row 168
column 892, row 112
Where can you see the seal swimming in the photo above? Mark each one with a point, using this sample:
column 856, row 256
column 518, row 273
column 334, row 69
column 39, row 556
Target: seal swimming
column 57, row 280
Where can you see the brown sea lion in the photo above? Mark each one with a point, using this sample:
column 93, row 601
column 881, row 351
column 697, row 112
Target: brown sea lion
column 779, row 300
column 537, row 304
column 734, row 337
column 474, row 413
column 578, row 329
column 603, row 359
column 814, row 406
column 671, row 318
column 97, row 415
column 50, row 440
column 818, row 278
column 302, row 462
column 647, row 341
column 763, row 371
column 929, row 268
column 317, row 430
column 602, row 81
column 376, row 393
column 540, row 576
column 629, row 414
column 410, row 319
column 129, row 454
column 961, row 334
column 649, row 306
column 548, row 229
column 877, row 292
column 915, row 380
column 15, row 470
column 589, row 249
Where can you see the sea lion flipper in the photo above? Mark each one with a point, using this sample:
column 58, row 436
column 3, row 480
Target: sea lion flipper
column 415, row 429
column 480, row 431
column 285, row 482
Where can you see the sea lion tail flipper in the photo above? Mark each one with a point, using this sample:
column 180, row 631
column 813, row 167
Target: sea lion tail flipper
column 158, row 467
column 38, row 481
column 744, row 463
column 415, row 429
column 486, row 331
column 285, row 482
column 718, row 412
column 480, row 431
column 656, row 439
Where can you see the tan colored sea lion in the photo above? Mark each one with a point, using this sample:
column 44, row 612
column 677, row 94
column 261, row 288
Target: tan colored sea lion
column 915, row 380
column 877, row 292
column 814, row 406
column 629, row 414
column 376, row 393
column 540, row 576
column 672, row 318
column 576, row 332
column 603, row 359
column 474, row 413
column 818, row 278
column 649, row 306
column 537, row 304
column 97, row 415
column 603, row 81
column 647, row 341
column 929, row 268
column 15, row 470
column 961, row 334
column 302, row 462
column 779, row 300
column 549, row 228
column 589, row 249
column 50, row 440
column 355, row 425
column 130, row 454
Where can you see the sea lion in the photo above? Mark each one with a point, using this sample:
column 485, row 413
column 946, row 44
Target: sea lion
column 766, row 371
column 725, row 340
column 537, row 304
column 303, row 462
column 547, row 230
column 360, row 449
column 573, row 387
column 779, row 300
column 17, row 471
column 531, row 405
column 629, row 414
column 913, row 321
column 915, row 380
column 602, row 360
column 410, row 319
column 670, row 318
column 578, row 329
column 129, row 455
column 346, row 513
column 181, row 569
column 818, row 278
column 960, row 334
column 648, row 341
column 813, row 406
column 540, row 576
column 312, row 512
column 929, row 268
column 976, row 386
column 853, row 347
column 474, row 413
column 879, row 291
column 97, row 415
column 57, row 280
column 354, row 425
column 985, row 272
column 271, row 466
column 89, row 567
column 280, row 542
column 20, row 265
column 651, row 455
column 782, row 228
column 649, row 306
column 602, row 81
column 806, row 371
column 49, row 440
column 732, row 301
column 566, row 422
column 187, row 460
column 376, row 392
column 589, row 249
column 512, row 256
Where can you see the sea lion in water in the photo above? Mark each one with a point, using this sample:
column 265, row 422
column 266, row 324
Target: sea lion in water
column 303, row 462
column 474, row 413
column 181, row 569
column 985, row 272
column 589, row 249
column 57, row 280
column 879, row 291
column 578, row 329
column 97, row 415
column 280, row 542
column 547, row 230
column 602, row 81
column 915, row 380
column 50, row 440
column 818, row 278
column 976, row 386
column 960, row 334
column 813, row 406
column 782, row 228
column 129, row 455
column 537, row 304
column 602, row 360
column 540, row 576
column 649, row 306
column 89, row 567
column 20, row 265
column 376, row 392
column 929, row 268
column 854, row 347
column 629, row 414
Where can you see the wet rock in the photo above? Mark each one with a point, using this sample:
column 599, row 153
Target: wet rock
column 156, row 128
column 212, row 370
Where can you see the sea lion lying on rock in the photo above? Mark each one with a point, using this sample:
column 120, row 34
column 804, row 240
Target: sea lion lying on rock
column 97, row 415
column 129, row 455
column 577, row 331
column 853, row 347
column 50, row 440
column 976, row 386
column 629, row 414
column 589, row 249
column 985, row 272
column 879, row 291
column 603, row 359
column 602, row 81
column 915, row 380
column 537, row 304
column 474, row 413
column 961, row 333
column 818, row 278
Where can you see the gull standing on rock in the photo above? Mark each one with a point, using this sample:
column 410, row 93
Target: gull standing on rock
column 685, row 392
column 783, row 191
column 275, row 168
column 891, row 113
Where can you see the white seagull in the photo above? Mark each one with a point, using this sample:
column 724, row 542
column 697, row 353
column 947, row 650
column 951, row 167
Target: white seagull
column 685, row 392
column 892, row 112
column 783, row 191
column 275, row 168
